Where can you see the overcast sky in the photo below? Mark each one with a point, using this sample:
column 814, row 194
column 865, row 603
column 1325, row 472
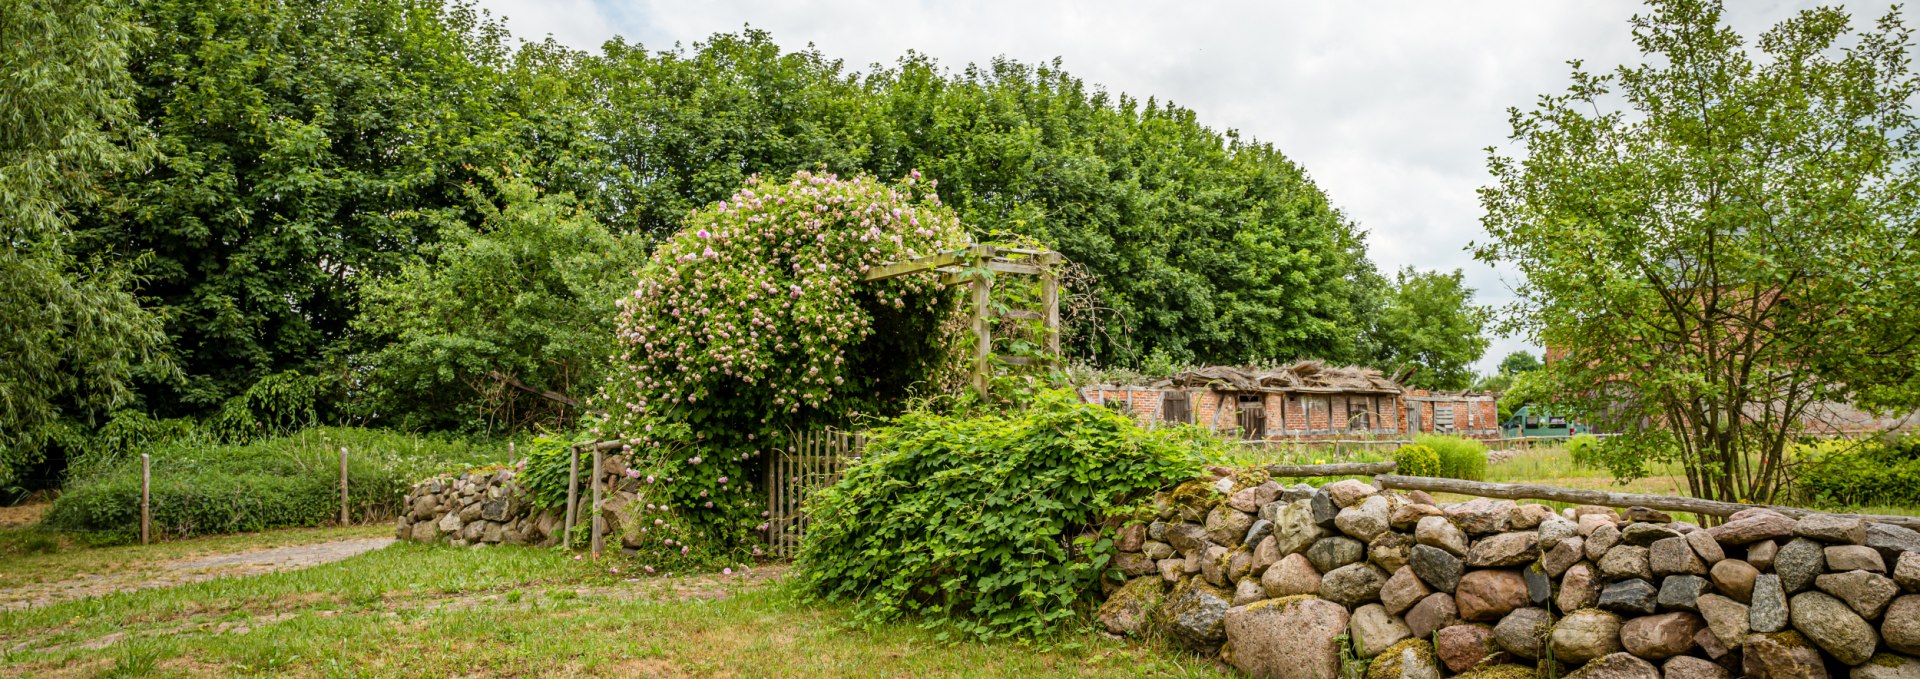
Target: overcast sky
column 1389, row 104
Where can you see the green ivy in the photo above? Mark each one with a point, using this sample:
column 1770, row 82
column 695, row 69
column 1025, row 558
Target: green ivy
column 979, row 521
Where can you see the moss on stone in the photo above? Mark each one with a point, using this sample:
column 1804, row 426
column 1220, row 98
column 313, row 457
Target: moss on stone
column 1388, row 665
column 1888, row 660
column 1507, row 671
column 1282, row 601
column 1199, row 495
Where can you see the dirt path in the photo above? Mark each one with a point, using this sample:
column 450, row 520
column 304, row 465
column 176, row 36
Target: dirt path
column 184, row 571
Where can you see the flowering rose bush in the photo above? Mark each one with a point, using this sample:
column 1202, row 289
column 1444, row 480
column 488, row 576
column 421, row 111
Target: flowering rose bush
column 752, row 322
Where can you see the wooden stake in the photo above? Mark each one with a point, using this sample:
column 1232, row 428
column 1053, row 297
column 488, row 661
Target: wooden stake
column 146, row 498
column 344, row 518
column 510, row 454
column 1050, row 298
column 982, row 327
column 573, row 495
column 599, row 524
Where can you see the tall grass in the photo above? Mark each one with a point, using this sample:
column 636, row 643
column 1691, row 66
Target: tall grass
column 201, row 488
column 1460, row 458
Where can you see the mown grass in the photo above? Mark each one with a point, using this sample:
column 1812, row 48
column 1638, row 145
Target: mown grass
column 413, row 610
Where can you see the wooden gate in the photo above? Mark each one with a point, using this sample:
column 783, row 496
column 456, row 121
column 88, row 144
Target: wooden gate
column 811, row 460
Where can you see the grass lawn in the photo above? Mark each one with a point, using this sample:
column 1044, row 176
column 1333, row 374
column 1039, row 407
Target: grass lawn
column 412, row 610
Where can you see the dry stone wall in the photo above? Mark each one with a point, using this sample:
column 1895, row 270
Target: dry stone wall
column 489, row 508
column 1297, row 581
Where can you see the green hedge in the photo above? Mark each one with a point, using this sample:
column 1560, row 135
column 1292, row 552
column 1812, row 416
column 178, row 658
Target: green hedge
column 1416, row 460
column 1843, row 474
column 204, row 489
column 1460, row 458
column 973, row 522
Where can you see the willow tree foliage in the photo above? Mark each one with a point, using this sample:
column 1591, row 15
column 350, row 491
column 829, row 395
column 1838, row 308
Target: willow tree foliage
column 753, row 322
column 1721, row 238
column 74, row 337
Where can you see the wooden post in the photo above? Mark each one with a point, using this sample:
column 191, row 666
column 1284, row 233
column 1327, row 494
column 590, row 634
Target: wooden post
column 982, row 326
column 573, row 494
column 146, row 498
column 1050, row 298
column 510, row 454
column 599, row 524
column 344, row 518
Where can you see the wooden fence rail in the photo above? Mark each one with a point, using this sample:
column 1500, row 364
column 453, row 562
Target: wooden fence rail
column 1383, row 477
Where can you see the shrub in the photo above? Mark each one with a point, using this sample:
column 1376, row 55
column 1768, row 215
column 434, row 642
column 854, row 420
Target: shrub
column 1841, row 473
column 1585, row 450
column 201, row 489
column 1460, row 458
column 972, row 521
column 753, row 322
column 1416, row 460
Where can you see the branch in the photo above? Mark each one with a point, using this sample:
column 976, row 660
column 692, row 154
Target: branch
column 550, row 395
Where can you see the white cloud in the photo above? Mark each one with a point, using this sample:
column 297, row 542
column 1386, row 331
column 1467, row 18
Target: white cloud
column 1389, row 104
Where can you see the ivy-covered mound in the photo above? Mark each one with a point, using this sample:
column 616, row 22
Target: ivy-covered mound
column 979, row 521
column 753, row 322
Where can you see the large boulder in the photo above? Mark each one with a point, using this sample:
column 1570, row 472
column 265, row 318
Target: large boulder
column 1831, row 624
column 1625, row 562
column 1630, row 596
column 1364, row 521
column 1798, row 563
column 1585, row 634
column 1673, row 556
column 1563, row 556
column 1334, row 552
column 1888, row 666
column 1768, row 610
column 1704, row 545
column 1374, row 630
column 1682, row 592
column 1227, row 526
column 1901, row 625
column 1726, row 618
column 1349, row 492
column 1439, row 532
column 1658, row 637
column 1436, row 567
column 1645, row 534
column 1194, row 612
column 1504, row 550
column 1482, row 516
column 1781, row 655
column 1578, row 589
column 1410, row 659
column 1868, row 593
column 1353, row 584
column 1390, row 550
column 1616, row 666
column 1831, row 529
column 1432, row 614
column 1488, row 595
column 1906, row 571
column 1892, row 540
column 1291, row 638
column 1523, row 633
column 1752, row 528
column 1292, row 576
column 1734, row 578
column 1127, row 609
column 1689, row 667
column 1854, row 558
column 1187, row 538
column 1463, row 646
column 1402, row 590
column 1294, row 528
column 1602, row 540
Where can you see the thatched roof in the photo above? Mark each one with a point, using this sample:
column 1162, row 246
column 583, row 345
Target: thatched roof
column 1302, row 377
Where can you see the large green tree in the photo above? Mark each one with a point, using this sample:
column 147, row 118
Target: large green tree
column 303, row 147
column 1720, row 237
column 1198, row 243
column 75, row 336
column 502, row 325
column 1431, row 330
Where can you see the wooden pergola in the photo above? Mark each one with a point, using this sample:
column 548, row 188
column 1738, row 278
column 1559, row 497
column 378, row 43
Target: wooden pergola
column 970, row 265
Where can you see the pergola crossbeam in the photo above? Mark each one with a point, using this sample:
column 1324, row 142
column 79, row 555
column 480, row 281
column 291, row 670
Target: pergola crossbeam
column 973, row 266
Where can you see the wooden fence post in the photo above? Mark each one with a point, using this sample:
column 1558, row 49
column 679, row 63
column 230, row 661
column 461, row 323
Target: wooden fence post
column 344, row 517
column 146, row 497
column 573, row 494
column 510, row 453
column 599, row 528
